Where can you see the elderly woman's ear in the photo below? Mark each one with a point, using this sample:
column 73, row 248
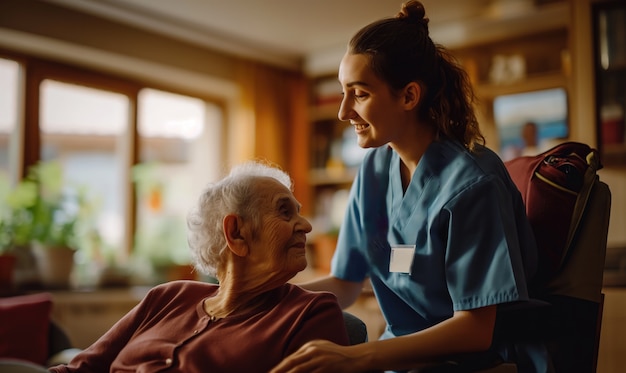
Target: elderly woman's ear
column 233, row 232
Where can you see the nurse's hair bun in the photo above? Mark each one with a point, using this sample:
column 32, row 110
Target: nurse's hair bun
column 413, row 11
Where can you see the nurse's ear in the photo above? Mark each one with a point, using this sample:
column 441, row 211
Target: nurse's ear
column 233, row 232
column 411, row 95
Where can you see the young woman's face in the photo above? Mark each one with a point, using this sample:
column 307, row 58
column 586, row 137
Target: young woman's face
column 378, row 116
column 279, row 244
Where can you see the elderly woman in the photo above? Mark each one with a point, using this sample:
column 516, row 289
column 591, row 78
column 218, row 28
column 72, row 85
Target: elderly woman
column 248, row 233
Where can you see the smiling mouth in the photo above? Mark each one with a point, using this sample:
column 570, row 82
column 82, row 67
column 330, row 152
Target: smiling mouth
column 360, row 127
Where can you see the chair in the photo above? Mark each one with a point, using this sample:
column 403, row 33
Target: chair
column 576, row 292
column 567, row 316
column 35, row 341
column 486, row 362
column 20, row 366
column 570, row 324
column 357, row 330
column 60, row 347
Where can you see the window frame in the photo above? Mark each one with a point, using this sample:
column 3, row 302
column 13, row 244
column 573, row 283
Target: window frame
column 35, row 70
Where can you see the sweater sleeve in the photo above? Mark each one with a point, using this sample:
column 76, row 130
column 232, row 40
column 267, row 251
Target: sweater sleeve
column 322, row 320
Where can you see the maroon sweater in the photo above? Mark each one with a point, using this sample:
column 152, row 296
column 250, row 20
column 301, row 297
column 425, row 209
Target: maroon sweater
column 169, row 331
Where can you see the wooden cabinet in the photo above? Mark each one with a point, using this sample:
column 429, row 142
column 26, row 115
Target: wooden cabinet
column 334, row 159
column 609, row 27
column 521, row 70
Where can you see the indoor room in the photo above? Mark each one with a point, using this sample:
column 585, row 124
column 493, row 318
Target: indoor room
column 115, row 114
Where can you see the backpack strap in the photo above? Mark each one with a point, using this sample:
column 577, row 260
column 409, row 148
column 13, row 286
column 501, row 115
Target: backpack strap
column 589, row 180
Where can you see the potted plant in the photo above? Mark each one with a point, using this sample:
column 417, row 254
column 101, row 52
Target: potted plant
column 46, row 215
column 15, row 227
column 56, row 216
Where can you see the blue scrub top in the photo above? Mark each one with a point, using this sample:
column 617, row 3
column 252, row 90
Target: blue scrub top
column 473, row 244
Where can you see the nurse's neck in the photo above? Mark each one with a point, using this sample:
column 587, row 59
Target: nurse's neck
column 406, row 174
column 410, row 155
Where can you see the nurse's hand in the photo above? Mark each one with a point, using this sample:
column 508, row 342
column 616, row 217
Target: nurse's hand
column 320, row 356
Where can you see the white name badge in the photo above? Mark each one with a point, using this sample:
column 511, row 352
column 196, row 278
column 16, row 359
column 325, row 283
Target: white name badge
column 401, row 258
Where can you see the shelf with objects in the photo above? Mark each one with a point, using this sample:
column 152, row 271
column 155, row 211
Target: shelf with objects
column 609, row 25
column 334, row 160
column 521, row 82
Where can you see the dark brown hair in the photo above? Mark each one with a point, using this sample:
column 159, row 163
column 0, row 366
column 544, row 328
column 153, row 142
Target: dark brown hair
column 401, row 51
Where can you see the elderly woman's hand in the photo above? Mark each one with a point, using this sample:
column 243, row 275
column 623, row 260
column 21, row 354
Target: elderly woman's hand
column 322, row 356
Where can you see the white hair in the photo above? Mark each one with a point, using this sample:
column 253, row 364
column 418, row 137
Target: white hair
column 232, row 194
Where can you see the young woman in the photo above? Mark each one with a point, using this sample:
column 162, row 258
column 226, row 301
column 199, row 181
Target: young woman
column 433, row 218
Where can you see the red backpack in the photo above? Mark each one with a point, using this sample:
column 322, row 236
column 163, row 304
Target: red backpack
column 555, row 186
column 568, row 207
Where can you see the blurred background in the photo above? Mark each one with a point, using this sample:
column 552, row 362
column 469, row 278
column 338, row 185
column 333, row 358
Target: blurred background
column 115, row 113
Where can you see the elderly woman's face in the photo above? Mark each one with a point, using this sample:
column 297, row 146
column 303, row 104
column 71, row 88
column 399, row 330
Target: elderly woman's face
column 280, row 243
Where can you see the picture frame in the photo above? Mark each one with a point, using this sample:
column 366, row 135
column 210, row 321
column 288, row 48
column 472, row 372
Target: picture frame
column 530, row 122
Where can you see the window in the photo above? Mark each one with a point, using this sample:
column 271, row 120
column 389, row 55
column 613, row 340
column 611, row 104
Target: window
column 140, row 155
column 83, row 129
column 9, row 105
column 179, row 139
